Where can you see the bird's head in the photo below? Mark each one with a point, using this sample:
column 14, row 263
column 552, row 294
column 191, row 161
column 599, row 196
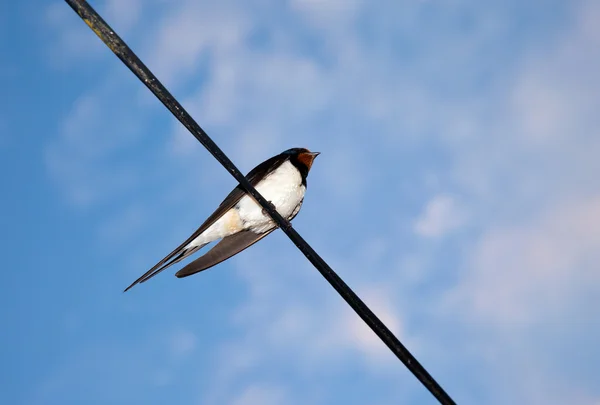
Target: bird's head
column 302, row 156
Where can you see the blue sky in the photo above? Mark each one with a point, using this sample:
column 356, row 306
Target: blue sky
column 457, row 193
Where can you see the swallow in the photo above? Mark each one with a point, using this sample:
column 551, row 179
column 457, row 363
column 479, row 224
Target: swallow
column 239, row 221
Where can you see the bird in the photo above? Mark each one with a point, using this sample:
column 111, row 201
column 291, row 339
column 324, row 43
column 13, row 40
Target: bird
column 239, row 221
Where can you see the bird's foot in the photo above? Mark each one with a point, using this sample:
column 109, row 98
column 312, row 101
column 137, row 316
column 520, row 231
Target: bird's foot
column 264, row 211
column 287, row 226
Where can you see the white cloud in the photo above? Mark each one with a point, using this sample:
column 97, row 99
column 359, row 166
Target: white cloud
column 183, row 343
column 261, row 394
column 122, row 15
column 529, row 290
column 344, row 173
column 529, row 275
column 73, row 42
column 524, row 273
column 94, row 130
column 189, row 30
column 379, row 300
column 69, row 44
column 327, row 13
column 288, row 319
column 519, row 146
column 325, row 330
column 441, row 215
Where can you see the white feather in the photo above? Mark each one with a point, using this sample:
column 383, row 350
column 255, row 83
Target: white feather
column 283, row 187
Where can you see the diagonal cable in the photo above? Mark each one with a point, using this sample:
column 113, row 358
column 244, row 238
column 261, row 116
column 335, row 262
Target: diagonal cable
column 130, row 59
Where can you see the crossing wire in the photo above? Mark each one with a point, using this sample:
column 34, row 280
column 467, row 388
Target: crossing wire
column 130, row 59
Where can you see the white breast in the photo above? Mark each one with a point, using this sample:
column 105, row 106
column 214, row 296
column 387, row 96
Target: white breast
column 284, row 188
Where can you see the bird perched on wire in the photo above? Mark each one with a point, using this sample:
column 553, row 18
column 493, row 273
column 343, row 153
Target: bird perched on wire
column 239, row 221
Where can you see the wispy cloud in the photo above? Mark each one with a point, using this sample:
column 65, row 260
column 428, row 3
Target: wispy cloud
column 261, row 394
column 80, row 157
column 535, row 269
column 123, row 15
column 436, row 119
column 442, row 214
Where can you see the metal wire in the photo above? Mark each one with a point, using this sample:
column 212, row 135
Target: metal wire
column 123, row 52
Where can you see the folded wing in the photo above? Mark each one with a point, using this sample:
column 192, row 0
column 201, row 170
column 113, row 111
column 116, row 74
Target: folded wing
column 227, row 247
column 183, row 250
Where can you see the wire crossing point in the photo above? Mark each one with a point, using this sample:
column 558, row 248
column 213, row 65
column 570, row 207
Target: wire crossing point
column 130, row 59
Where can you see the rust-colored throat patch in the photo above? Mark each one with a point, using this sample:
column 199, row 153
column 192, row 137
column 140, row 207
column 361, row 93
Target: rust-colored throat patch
column 307, row 158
